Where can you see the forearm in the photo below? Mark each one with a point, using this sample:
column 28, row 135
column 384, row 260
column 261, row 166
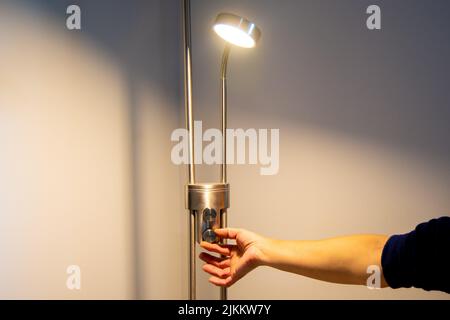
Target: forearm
column 339, row 260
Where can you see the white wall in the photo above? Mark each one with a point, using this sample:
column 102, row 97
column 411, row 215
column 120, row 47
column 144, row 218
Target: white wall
column 85, row 171
column 86, row 116
column 65, row 182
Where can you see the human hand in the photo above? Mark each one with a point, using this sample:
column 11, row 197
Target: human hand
column 237, row 259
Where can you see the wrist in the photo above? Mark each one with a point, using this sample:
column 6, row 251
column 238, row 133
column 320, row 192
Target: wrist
column 268, row 252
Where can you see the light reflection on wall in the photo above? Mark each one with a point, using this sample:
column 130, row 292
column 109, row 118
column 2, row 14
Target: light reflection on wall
column 65, row 190
column 85, row 122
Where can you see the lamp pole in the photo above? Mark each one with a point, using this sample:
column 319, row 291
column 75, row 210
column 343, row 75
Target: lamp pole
column 223, row 171
column 190, row 128
column 208, row 202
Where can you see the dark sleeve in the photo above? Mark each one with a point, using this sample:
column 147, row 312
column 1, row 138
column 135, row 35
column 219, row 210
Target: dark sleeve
column 420, row 258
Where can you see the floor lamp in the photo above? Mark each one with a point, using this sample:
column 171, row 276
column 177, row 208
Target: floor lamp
column 207, row 203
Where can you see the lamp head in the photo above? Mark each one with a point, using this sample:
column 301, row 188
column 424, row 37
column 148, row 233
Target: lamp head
column 237, row 30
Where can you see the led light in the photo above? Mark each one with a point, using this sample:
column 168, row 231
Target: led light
column 237, row 30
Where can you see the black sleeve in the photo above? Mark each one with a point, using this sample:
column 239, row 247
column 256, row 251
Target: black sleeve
column 420, row 258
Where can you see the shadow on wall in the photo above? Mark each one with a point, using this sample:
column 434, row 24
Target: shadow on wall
column 318, row 65
column 388, row 86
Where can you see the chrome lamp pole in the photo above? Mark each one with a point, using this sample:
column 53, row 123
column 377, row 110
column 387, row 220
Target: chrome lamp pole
column 208, row 202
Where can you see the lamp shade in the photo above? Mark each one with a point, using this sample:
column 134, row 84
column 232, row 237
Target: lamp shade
column 237, row 30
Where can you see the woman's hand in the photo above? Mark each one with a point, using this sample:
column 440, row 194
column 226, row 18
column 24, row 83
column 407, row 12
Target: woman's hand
column 237, row 259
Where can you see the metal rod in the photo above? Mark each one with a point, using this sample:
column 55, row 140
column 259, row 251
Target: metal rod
column 189, row 126
column 188, row 86
column 223, row 82
column 223, row 171
column 223, row 224
column 192, row 256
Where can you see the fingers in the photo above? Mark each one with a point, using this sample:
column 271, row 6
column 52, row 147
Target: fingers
column 227, row 233
column 216, row 271
column 223, row 249
column 225, row 277
column 219, row 268
column 228, row 281
column 215, row 261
